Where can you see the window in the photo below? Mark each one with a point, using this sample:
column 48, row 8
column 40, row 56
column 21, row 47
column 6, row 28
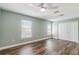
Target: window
column 26, row 29
column 49, row 29
column 54, row 28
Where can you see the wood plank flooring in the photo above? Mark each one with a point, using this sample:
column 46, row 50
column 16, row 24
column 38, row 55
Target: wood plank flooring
column 45, row 47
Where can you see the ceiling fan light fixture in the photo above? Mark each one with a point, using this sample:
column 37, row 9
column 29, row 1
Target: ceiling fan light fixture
column 43, row 9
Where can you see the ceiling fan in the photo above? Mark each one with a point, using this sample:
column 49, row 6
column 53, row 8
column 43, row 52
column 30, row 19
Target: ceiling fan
column 47, row 6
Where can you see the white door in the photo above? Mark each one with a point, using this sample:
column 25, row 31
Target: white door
column 68, row 31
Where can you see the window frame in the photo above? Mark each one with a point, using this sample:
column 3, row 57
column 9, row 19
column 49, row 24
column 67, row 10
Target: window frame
column 26, row 24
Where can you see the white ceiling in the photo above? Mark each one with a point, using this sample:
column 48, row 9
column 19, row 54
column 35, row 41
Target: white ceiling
column 69, row 10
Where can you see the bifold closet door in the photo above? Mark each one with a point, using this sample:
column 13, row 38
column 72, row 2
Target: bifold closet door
column 68, row 31
column 74, row 31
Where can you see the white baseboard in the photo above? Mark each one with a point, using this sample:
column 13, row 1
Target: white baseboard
column 14, row 45
column 68, row 40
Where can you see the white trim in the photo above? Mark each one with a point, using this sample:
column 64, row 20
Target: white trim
column 14, row 45
column 68, row 40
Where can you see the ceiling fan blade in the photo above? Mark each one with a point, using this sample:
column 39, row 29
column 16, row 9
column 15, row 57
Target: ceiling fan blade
column 51, row 6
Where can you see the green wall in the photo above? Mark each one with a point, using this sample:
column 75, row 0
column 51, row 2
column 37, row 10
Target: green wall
column 0, row 27
column 11, row 28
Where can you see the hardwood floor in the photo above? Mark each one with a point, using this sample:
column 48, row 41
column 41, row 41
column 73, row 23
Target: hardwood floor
column 45, row 47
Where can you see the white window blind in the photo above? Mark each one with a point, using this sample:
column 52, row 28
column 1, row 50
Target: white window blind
column 49, row 29
column 26, row 29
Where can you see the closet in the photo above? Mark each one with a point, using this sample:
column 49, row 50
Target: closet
column 68, row 31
